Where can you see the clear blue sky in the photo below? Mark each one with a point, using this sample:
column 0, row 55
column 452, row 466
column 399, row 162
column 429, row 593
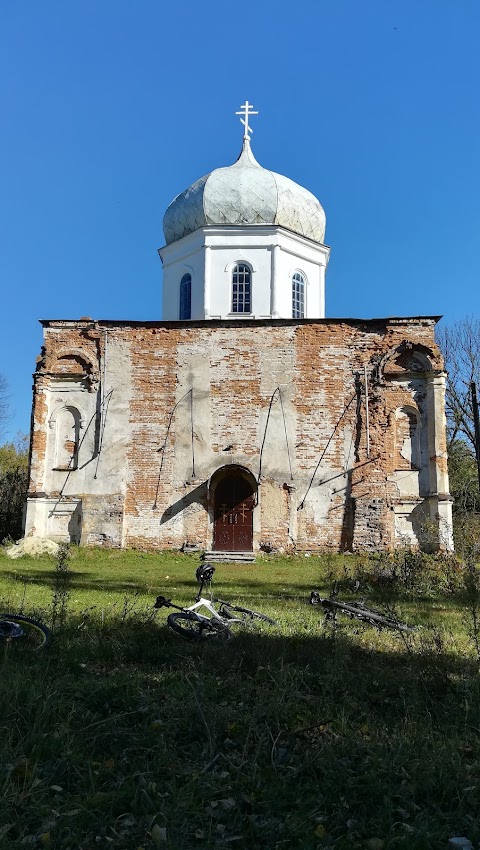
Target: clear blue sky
column 110, row 108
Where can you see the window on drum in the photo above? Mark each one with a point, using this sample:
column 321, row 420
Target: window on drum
column 298, row 296
column 185, row 311
column 241, row 288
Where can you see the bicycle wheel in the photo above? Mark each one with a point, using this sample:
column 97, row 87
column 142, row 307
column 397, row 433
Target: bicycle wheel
column 235, row 612
column 189, row 625
column 25, row 632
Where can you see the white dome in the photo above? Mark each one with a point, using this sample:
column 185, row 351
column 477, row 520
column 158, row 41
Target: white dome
column 245, row 193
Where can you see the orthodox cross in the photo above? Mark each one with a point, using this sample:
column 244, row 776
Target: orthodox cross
column 246, row 110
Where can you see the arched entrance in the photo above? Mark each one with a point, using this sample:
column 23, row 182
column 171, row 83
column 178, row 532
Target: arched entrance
column 233, row 504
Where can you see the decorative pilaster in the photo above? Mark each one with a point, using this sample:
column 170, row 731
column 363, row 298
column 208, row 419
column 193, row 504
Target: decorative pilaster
column 38, row 438
column 440, row 499
column 206, row 286
column 321, row 294
column 274, row 309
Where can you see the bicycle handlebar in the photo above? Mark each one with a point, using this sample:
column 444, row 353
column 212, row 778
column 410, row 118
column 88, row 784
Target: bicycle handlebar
column 162, row 602
column 315, row 598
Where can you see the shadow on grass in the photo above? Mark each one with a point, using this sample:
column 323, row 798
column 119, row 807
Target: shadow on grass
column 265, row 734
column 243, row 586
column 253, row 593
column 142, row 636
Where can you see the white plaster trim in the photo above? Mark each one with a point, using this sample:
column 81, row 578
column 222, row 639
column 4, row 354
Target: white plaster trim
column 175, row 259
column 230, row 266
column 267, row 229
column 296, row 270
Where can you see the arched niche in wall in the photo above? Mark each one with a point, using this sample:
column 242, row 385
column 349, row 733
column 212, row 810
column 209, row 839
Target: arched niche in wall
column 407, row 439
column 73, row 366
column 408, row 358
column 66, row 423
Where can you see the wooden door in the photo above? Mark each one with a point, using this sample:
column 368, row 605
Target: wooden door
column 233, row 515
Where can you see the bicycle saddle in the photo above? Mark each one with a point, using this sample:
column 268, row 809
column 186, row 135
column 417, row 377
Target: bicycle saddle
column 204, row 573
column 315, row 598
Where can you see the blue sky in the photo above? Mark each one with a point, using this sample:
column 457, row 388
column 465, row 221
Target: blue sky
column 110, row 108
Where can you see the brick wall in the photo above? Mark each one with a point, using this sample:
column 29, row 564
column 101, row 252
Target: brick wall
column 283, row 398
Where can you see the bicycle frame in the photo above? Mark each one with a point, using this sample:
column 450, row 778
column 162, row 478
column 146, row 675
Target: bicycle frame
column 208, row 604
column 204, row 611
column 357, row 611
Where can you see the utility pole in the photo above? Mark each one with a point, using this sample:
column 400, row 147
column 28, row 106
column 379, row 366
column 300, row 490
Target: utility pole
column 476, row 422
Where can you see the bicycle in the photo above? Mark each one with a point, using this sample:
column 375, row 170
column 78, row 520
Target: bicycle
column 191, row 624
column 30, row 634
column 356, row 611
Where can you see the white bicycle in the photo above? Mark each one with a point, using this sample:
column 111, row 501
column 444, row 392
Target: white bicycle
column 216, row 623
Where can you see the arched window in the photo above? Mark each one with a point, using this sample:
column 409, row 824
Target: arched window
column 298, row 296
column 241, row 288
column 185, row 311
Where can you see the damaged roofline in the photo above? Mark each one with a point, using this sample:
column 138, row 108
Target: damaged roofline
column 233, row 322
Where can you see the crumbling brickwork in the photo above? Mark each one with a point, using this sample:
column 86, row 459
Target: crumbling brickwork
column 310, row 412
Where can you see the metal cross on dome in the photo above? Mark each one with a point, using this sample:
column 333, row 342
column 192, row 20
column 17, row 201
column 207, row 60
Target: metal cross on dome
column 246, row 110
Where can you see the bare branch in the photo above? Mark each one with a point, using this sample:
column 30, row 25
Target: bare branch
column 460, row 346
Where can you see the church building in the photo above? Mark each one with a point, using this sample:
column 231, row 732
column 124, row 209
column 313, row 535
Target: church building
column 243, row 420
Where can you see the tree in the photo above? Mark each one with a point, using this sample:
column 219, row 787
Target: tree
column 13, row 486
column 463, row 475
column 460, row 346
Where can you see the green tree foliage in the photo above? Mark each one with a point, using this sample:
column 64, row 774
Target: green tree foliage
column 462, row 468
column 13, row 486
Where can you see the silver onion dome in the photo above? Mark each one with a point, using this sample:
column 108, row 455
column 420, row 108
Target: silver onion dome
column 241, row 194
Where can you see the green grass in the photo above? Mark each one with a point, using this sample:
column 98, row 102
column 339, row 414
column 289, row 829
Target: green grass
column 122, row 735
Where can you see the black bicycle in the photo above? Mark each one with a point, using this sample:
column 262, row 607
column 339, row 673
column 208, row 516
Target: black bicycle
column 356, row 611
column 217, row 623
column 24, row 632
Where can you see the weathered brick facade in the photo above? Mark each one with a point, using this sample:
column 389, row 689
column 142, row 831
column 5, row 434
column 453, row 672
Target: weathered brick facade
column 158, row 412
